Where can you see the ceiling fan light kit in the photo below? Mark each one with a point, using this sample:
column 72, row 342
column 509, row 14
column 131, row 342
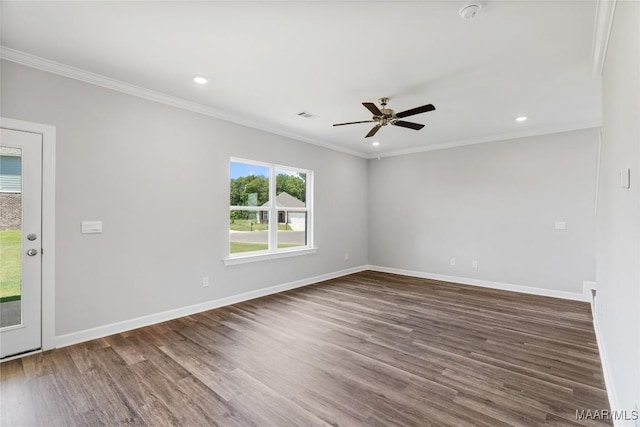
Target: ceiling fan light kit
column 386, row 116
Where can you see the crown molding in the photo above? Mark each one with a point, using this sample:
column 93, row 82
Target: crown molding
column 162, row 98
column 605, row 10
column 151, row 95
column 490, row 138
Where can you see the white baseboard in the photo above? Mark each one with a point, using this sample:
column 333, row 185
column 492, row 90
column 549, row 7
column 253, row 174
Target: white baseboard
column 606, row 371
column 20, row 356
column 127, row 325
column 587, row 287
column 484, row 283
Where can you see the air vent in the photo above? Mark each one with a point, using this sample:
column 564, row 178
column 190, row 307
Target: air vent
column 307, row 115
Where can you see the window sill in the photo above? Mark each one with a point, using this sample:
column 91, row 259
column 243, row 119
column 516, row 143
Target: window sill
column 244, row 259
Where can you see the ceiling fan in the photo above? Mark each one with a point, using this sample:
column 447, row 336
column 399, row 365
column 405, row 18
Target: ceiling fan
column 387, row 116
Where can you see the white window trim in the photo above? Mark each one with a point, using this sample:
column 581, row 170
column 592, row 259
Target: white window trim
column 265, row 256
column 256, row 256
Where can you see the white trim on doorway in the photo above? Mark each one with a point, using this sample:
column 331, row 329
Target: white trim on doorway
column 48, row 133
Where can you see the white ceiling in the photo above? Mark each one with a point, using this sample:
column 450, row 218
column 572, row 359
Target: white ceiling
column 267, row 61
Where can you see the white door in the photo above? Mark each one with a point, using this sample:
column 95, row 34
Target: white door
column 20, row 241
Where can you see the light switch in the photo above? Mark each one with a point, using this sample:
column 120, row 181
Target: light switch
column 625, row 178
column 561, row 225
column 91, row 227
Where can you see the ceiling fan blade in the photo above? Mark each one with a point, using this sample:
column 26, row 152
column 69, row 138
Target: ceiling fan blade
column 373, row 131
column 410, row 125
column 354, row 123
column 417, row 110
column 372, row 107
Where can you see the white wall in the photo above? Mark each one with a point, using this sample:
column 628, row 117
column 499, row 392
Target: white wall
column 496, row 203
column 618, row 276
column 157, row 176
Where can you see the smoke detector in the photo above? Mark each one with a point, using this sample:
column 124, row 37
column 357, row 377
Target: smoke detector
column 469, row 11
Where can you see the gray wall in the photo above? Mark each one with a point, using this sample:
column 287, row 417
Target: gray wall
column 496, row 203
column 618, row 297
column 157, row 176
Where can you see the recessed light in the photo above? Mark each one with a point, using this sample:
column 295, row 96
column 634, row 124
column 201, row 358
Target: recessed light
column 521, row 119
column 375, row 144
column 200, row 80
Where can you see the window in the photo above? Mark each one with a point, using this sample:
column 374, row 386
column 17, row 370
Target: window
column 270, row 209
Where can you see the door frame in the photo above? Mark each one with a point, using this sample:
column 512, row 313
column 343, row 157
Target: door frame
column 48, row 258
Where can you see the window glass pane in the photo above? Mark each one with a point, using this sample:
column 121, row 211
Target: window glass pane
column 248, row 231
column 292, row 229
column 10, row 236
column 249, row 184
column 291, row 189
column 286, row 215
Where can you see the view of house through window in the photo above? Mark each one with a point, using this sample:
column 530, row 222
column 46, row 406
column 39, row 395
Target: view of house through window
column 269, row 207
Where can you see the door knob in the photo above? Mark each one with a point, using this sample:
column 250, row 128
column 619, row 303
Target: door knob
column 31, row 237
column 32, row 252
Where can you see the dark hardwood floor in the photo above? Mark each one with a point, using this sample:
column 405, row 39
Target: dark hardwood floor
column 369, row 349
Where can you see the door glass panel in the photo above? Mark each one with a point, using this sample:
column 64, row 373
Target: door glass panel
column 10, row 236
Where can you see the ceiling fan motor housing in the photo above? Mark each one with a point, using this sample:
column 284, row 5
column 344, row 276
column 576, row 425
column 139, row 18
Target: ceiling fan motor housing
column 387, row 113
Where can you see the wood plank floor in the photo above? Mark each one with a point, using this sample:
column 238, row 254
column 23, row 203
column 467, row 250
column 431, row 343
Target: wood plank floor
column 369, row 349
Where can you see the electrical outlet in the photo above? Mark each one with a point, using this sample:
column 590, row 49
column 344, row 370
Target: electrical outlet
column 474, row 263
column 453, row 261
column 346, row 256
column 205, row 282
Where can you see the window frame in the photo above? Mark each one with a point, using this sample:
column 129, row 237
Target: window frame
column 272, row 251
